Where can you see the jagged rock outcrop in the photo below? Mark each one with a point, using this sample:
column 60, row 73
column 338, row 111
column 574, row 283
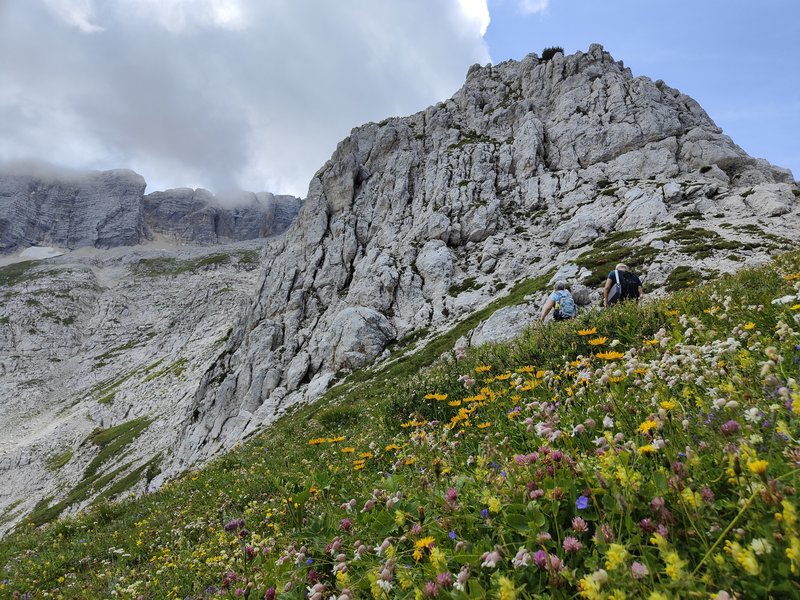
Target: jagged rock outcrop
column 101, row 209
column 524, row 167
column 106, row 209
column 196, row 216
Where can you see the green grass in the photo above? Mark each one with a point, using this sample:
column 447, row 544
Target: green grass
column 704, row 354
column 170, row 267
column 682, row 277
column 607, row 252
column 13, row 274
column 54, row 463
column 112, row 441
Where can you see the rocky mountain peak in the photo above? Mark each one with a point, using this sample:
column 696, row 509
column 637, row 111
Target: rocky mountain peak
column 527, row 163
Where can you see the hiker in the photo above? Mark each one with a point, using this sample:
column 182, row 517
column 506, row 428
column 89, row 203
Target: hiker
column 562, row 301
column 621, row 284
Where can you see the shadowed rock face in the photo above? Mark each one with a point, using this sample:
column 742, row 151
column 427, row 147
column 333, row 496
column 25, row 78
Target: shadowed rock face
column 106, row 209
column 99, row 209
column 195, row 215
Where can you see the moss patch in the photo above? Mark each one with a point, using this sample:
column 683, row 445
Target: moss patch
column 607, row 252
column 682, row 277
column 54, row 463
column 113, row 440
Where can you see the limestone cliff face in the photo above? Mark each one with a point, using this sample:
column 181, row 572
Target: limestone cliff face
column 99, row 209
column 195, row 215
column 527, row 163
column 106, row 209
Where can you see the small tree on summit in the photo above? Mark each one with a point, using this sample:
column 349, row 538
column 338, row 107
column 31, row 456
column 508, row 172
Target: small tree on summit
column 549, row 53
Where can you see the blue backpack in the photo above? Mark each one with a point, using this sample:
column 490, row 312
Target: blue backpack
column 565, row 304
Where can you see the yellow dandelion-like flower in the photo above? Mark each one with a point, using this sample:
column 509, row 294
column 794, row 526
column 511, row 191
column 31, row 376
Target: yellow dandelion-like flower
column 673, row 313
column 484, row 425
column 503, row 377
column 365, row 455
column 410, row 460
column 590, row 331
column 759, row 467
column 668, row 404
column 610, row 355
column 640, row 371
column 348, row 450
column 598, row 341
column 526, row 369
column 647, row 449
column 792, row 276
column 617, row 379
column 748, row 326
column 483, row 368
column 795, row 307
column 454, row 403
column 391, row 447
column 425, row 542
column 417, row 554
column 336, row 440
column 316, row 441
column 646, row 426
column 650, row 342
column 358, row 467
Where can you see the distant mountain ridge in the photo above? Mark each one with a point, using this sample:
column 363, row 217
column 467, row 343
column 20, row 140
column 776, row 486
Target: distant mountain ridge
column 106, row 209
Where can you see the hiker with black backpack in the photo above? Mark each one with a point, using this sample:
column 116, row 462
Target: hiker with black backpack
column 563, row 303
column 621, row 284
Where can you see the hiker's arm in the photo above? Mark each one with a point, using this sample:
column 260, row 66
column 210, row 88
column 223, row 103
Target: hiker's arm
column 605, row 292
column 641, row 293
column 547, row 308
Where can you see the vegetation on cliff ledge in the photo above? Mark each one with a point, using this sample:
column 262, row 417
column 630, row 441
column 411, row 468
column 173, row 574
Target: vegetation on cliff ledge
column 642, row 452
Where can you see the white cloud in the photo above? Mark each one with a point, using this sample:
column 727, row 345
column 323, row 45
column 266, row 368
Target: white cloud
column 533, row 6
column 77, row 13
column 221, row 93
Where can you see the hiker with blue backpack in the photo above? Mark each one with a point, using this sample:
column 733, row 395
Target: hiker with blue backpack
column 563, row 303
column 621, row 284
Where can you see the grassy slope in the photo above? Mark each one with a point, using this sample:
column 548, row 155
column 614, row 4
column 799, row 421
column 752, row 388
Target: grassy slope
column 705, row 390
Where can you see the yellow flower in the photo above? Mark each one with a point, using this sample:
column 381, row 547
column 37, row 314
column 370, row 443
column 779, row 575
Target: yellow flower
column 417, row 554
column 647, row 426
column 399, row 518
column 316, row 441
column 748, row 326
column 438, row 397
column 484, row 425
column 526, row 369
column 672, row 313
column 348, row 450
column 795, row 307
column 494, row 505
column 598, row 341
column 454, row 403
column 793, row 554
column 646, row 449
column 792, row 276
column 591, row 331
column 668, row 404
column 616, row 379
column 759, row 467
column 610, row 355
column 391, row 447
column 506, row 588
column 616, row 556
column 483, row 368
column 410, row 460
column 425, row 542
column 335, row 440
column 438, row 559
column 650, row 342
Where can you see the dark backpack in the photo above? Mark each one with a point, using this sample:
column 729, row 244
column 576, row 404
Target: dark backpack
column 629, row 283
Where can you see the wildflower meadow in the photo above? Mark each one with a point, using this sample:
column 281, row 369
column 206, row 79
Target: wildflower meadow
column 643, row 451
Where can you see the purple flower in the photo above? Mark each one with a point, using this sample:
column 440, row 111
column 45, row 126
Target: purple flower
column 452, row 535
column 444, row 580
column 572, row 544
column 638, row 570
column 485, row 513
column 729, row 427
column 270, row 594
column 234, row 525
column 346, row 525
column 582, row 502
column 430, row 590
column 540, row 559
column 579, row 525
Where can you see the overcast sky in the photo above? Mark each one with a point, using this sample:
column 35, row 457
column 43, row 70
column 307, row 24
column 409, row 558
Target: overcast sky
column 256, row 94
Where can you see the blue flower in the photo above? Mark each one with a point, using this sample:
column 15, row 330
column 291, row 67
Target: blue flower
column 309, row 561
column 582, row 502
column 452, row 535
column 485, row 513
